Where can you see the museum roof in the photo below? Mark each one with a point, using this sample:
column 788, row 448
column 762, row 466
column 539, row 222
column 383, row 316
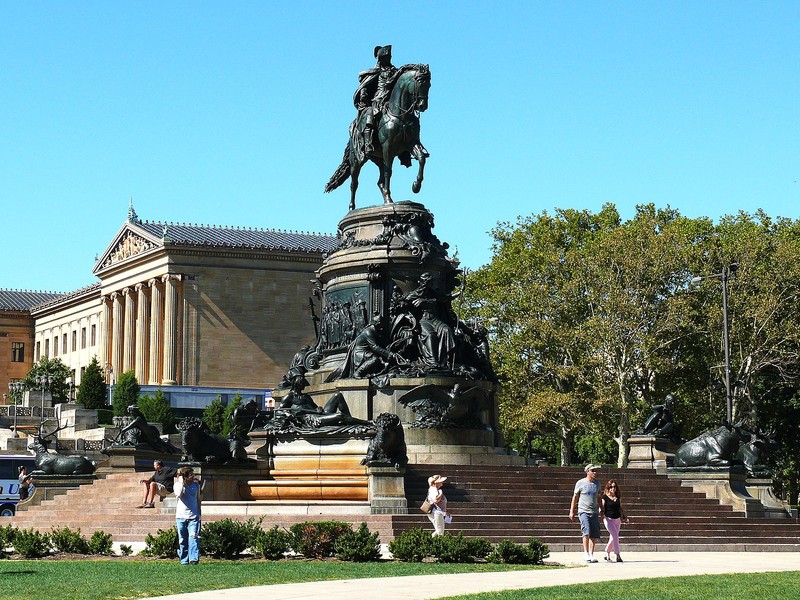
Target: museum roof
column 184, row 234
column 25, row 299
column 69, row 295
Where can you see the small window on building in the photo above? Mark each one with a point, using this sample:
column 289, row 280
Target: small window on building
column 38, row 351
column 74, row 341
column 94, row 335
column 55, row 346
column 83, row 338
column 64, row 344
column 83, row 372
column 17, row 352
column 47, row 348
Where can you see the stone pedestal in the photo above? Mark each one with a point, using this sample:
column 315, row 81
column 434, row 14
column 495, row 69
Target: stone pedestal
column 47, row 487
column 221, row 483
column 726, row 484
column 75, row 418
column 323, row 468
column 651, row 452
column 387, row 491
column 761, row 488
column 129, row 460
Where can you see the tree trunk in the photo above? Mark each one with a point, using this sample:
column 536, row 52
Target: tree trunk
column 566, row 447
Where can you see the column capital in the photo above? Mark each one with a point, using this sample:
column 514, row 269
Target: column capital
column 113, row 296
column 126, row 291
column 171, row 277
column 153, row 281
column 140, row 286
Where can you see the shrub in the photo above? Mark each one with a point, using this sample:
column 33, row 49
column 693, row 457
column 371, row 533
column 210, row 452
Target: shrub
column 539, row 550
column 69, row 540
column 316, row 539
column 105, row 416
column 163, row 545
column 7, row 535
column 125, row 549
column 228, row 538
column 412, row 545
column 511, row 554
column 214, row 415
column 126, row 392
column 227, row 418
column 100, row 543
column 156, row 409
column 450, row 548
column 92, row 392
column 359, row 545
column 480, row 548
column 31, row 544
column 272, row 544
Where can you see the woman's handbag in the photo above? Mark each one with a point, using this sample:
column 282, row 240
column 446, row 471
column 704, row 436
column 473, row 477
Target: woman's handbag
column 426, row 507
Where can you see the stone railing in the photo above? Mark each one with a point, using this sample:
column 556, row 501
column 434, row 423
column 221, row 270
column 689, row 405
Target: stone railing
column 26, row 411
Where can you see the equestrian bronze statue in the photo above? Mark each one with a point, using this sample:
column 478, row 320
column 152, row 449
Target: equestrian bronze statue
column 389, row 101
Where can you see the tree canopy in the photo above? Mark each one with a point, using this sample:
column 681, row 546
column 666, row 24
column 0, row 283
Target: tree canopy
column 594, row 319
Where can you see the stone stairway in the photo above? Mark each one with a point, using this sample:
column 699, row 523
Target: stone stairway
column 518, row 503
column 494, row 502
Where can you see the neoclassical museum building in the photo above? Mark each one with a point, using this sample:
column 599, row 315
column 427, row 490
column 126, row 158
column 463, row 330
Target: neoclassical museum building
column 195, row 310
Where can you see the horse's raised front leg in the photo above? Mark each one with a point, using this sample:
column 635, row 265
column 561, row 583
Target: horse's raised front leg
column 421, row 155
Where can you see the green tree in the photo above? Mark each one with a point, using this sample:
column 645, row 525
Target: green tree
column 156, row 409
column 126, row 392
column 589, row 319
column 92, row 392
column 57, row 370
column 214, row 415
column 762, row 298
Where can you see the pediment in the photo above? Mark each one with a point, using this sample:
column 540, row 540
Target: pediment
column 127, row 244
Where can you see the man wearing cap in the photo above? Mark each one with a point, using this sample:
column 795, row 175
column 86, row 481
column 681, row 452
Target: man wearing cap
column 587, row 500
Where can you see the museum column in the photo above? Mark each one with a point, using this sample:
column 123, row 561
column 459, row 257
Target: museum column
column 130, row 334
column 116, row 336
column 156, row 332
column 170, row 328
column 105, row 335
column 142, row 331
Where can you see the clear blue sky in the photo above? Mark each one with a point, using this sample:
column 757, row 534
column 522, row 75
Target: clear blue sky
column 236, row 113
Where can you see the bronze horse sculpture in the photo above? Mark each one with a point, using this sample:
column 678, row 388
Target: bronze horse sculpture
column 397, row 135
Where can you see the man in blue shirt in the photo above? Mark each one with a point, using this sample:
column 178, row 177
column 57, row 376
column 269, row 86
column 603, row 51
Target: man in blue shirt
column 586, row 498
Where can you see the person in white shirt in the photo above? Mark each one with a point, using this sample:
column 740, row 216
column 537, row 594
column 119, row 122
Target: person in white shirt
column 187, row 516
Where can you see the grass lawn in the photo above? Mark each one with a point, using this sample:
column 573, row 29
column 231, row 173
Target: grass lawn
column 136, row 578
column 705, row 587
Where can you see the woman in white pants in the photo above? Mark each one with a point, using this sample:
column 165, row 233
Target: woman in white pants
column 439, row 503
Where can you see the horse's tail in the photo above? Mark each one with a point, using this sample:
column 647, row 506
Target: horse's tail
column 342, row 172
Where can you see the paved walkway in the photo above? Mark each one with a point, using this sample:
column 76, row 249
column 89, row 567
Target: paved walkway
column 425, row 587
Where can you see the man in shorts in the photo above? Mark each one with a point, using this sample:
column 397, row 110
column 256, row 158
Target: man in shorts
column 587, row 500
column 160, row 483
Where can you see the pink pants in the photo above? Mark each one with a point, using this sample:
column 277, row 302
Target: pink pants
column 612, row 525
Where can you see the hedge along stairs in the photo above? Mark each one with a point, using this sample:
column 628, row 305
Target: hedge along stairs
column 516, row 503
column 495, row 502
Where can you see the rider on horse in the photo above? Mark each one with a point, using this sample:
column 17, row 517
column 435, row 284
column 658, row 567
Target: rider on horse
column 375, row 85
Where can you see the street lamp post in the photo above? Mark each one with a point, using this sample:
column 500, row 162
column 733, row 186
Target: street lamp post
column 110, row 374
column 44, row 382
column 16, row 388
column 724, row 276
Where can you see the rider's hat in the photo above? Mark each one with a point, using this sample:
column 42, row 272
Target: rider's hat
column 382, row 51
